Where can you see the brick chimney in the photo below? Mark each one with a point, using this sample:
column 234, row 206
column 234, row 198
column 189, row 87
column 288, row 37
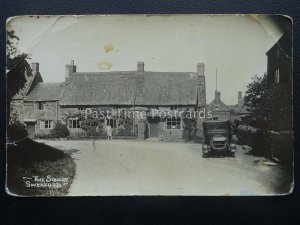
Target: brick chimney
column 200, row 69
column 140, row 66
column 70, row 69
column 240, row 99
column 35, row 67
column 201, row 86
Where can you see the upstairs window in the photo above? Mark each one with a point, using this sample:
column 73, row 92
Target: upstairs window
column 46, row 124
column 277, row 76
column 81, row 108
column 217, row 107
column 277, row 53
column 112, row 122
column 173, row 107
column 74, row 123
column 39, row 105
column 173, row 122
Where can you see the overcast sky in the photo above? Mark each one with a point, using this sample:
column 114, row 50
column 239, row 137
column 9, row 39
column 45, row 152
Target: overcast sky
column 235, row 45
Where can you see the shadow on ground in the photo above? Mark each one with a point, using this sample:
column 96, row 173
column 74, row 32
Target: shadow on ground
column 29, row 158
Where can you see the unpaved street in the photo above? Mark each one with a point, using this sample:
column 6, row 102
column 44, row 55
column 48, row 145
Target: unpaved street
column 132, row 167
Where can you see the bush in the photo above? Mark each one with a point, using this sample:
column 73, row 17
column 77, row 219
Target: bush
column 189, row 129
column 16, row 131
column 60, row 131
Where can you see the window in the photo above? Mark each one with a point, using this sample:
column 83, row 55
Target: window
column 81, row 108
column 173, row 122
column 217, row 107
column 46, row 124
column 173, row 107
column 112, row 122
column 277, row 53
column 74, row 123
column 40, row 105
column 277, row 76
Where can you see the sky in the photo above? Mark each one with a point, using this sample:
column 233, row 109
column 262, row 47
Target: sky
column 234, row 45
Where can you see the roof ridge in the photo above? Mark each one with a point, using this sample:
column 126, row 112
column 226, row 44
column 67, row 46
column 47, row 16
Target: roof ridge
column 135, row 72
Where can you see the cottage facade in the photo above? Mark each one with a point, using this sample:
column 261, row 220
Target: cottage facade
column 42, row 104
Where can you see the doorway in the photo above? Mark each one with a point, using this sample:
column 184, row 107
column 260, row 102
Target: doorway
column 153, row 127
column 30, row 129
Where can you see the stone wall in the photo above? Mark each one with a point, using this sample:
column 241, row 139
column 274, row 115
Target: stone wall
column 172, row 134
column 48, row 113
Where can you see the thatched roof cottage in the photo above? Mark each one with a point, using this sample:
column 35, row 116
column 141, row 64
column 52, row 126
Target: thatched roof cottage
column 45, row 103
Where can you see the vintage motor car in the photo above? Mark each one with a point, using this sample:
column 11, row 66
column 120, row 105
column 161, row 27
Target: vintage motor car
column 217, row 139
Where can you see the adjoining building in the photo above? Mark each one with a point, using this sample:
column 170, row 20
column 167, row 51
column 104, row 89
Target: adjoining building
column 238, row 111
column 221, row 111
column 218, row 109
column 279, row 70
column 42, row 104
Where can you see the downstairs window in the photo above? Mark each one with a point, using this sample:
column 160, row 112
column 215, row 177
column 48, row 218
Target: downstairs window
column 173, row 122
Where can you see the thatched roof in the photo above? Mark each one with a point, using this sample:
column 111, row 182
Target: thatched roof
column 130, row 88
column 45, row 92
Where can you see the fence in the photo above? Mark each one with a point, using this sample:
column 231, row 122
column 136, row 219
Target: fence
column 282, row 145
column 267, row 143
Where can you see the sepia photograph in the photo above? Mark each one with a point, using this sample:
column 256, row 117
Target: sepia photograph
column 149, row 105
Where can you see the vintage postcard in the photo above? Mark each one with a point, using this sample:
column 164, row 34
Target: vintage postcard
column 176, row 105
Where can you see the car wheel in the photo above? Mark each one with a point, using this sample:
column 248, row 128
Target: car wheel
column 205, row 155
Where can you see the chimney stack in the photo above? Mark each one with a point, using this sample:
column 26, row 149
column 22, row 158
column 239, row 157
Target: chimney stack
column 200, row 69
column 240, row 99
column 140, row 66
column 35, row 67
column 70, row 69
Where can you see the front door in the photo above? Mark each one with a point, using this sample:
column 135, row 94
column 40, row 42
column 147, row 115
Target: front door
column 30, row 129
column 153, row 126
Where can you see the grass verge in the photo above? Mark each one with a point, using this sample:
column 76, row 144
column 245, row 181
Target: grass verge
column 36, row 169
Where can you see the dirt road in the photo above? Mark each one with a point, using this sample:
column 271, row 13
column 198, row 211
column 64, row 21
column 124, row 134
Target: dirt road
column 132, row 167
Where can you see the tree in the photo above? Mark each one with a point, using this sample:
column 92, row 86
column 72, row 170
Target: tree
column 269, row 105
column 255, row 103
column 17, row 68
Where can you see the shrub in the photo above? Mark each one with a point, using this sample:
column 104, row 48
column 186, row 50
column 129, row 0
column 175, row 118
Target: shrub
column 16, row 130
column 189, row 129
column 60, row 131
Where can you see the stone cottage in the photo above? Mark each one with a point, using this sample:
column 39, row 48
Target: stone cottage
column 42, row 104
